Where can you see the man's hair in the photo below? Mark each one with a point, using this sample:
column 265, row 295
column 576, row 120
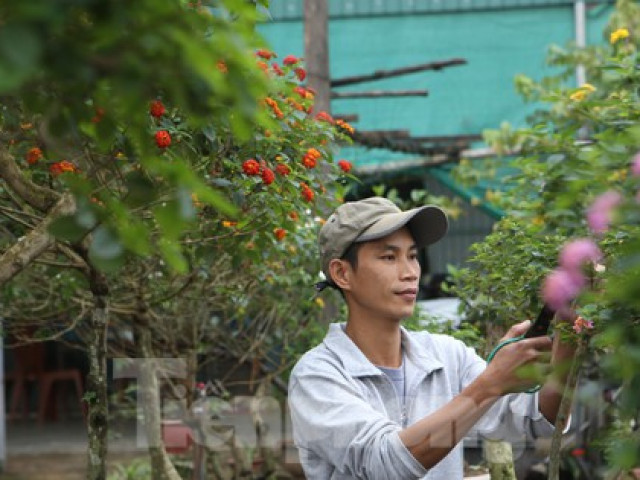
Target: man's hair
column 351, row 257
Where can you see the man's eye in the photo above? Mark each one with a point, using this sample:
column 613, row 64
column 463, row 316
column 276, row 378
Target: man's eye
column 387, row 257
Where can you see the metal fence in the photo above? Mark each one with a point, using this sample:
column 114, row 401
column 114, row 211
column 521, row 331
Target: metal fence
column 293, row 9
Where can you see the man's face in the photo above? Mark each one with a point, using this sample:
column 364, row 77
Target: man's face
column 385, row 282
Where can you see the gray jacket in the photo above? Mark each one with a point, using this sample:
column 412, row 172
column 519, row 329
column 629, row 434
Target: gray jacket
column 346, row 415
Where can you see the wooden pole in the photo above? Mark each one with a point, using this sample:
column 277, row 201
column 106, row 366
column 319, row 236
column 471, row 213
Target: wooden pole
column 316, row 52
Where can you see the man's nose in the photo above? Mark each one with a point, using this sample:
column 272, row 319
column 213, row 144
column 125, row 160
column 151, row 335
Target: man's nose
column 410, row 269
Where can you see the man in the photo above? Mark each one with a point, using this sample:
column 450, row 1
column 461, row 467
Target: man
column 374, row 401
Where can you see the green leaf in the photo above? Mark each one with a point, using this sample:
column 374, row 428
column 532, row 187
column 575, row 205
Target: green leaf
column 106, row 252
column 140, row 190
column 66, row 228
column 20, row 52
column 172, row 254
column 169, row 219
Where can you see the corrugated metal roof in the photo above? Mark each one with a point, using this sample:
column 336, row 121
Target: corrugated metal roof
column 293, row 9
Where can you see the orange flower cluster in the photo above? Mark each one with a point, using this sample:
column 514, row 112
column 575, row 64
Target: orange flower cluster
column 345, row 126
column 290, row 60
column 296, row 105
column 305, row 93
column 229, row 224
column 324, row 117
column 345, row 166
column 222, row 67
column 279, row 233
column 307, row 193
column 33, row 155
column 62, row 167
column 263, row 66
column 283, row 169
column 274, row 107
column 311, row 158
column 266, row 54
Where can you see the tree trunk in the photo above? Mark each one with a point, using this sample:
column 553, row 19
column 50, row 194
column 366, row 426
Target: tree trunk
column 316, row 52
column 96, row 393
column 500, row 459
column 161, row 466
column 564, row 411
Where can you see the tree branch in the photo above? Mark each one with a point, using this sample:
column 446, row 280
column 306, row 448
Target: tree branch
column 380, row 93
column 380, row 74
column 38, row 197
column 26, row 249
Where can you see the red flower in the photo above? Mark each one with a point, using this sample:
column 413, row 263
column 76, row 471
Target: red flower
column 345, row 166
column 307, row 193
column 163, row 139
column 62, row 167
column 98, row 116
column 324, row 116
column 290, row 60
column 268, row 176
column 277, row 69
column 293, row 216
column 157, row 109
column 301, row 73
column 251, row 167
column 33, row 155
column 283, row 169
column 266, row 54
column 279, row 233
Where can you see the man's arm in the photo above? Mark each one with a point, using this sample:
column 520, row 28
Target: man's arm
column 433, row 437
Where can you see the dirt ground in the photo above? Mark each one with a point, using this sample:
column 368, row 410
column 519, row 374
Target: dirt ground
column 47, row 466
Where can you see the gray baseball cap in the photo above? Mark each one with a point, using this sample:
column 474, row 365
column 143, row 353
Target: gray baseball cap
column 374, row 218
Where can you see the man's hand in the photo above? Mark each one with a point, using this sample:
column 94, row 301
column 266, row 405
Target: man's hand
column 506, row 370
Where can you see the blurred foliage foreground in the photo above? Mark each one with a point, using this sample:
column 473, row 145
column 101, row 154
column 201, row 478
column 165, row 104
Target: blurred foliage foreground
column 163, row 176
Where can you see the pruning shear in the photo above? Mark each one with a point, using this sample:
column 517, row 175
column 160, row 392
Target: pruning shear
column 539, row 328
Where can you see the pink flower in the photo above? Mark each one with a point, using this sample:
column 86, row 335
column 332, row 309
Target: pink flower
column 580, row 324
column 560, row 288
column 578, row 252
column 635, row 165
column 599, row 213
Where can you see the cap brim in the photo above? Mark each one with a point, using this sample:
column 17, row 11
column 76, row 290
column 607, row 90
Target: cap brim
column 427, row 224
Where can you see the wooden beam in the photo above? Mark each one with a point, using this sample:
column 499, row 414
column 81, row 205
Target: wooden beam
column 348, row 117
column 380, row 74
column 381, row 93
column 381, row 134
column 393, row 144
column 448, row 138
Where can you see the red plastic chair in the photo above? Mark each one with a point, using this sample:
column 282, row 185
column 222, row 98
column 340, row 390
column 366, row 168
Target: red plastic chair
column 30, row 369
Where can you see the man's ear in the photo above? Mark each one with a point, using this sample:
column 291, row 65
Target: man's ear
column 340, row 273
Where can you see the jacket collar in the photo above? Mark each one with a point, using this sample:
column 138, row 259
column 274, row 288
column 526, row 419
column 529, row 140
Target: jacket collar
column 358, row 365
